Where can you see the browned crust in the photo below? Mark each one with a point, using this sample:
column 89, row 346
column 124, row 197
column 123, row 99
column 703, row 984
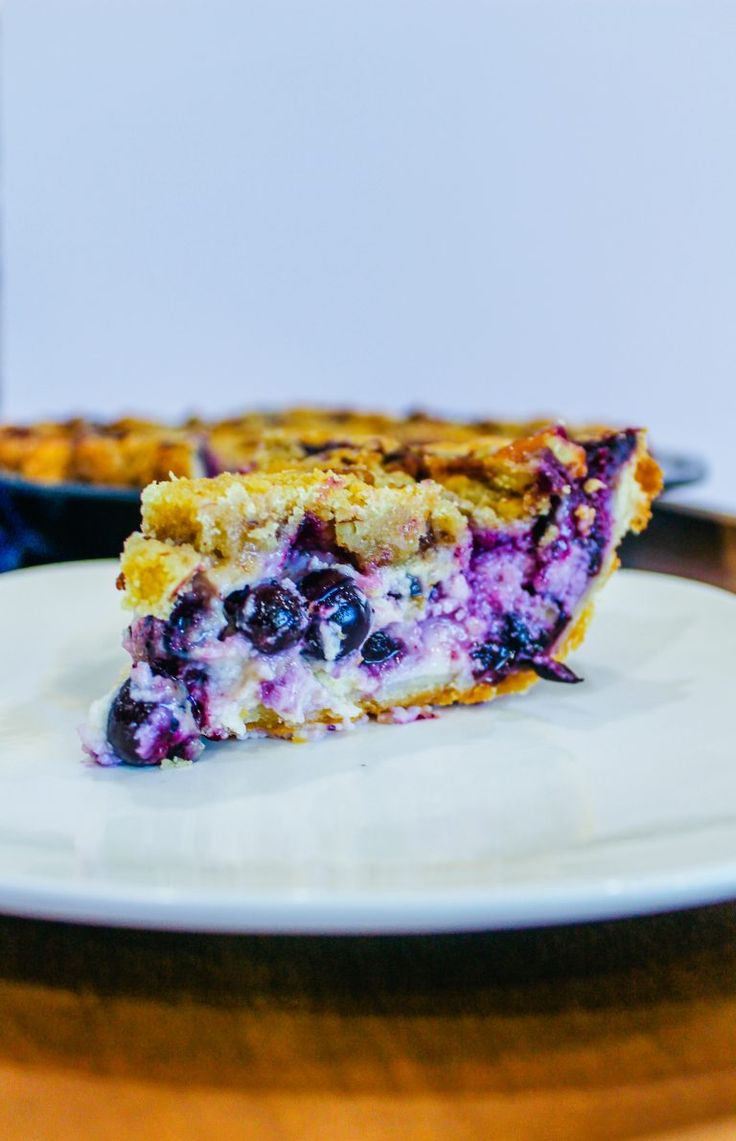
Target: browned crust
column 648, row 476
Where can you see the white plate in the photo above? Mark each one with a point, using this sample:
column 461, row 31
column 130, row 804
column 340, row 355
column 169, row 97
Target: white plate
column 610, row 798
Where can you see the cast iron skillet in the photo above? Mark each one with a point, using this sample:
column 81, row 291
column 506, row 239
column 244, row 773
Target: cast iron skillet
column 49, row 523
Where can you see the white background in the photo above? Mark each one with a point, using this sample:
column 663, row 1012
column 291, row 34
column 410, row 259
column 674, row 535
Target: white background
column 486, row 207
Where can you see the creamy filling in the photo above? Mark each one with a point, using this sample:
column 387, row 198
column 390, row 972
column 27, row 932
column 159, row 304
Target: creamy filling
column 322, row 642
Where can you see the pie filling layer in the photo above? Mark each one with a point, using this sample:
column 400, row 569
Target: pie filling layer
column 320, row 640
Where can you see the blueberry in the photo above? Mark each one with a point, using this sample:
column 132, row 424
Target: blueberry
column 554, row 671
column 606, row 456
column 335, row 603
column 270, row 615
column 147, row 640
column 187, row 610
column 597, row 546
column 185, row 621
column 513, row 645
column 380, row 647
column 317, row 585
column 520, row 639
column 195, row 681
column 494, row 657
column 145, row 732
column 233, row 606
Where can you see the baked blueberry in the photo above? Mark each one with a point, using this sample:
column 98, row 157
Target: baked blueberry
column 195, row 680
column 233, row 607
column 147, row 640
column 606, row 456
column 520, row 639
column 271, row 615
column 380, row 647
column 340, row 615
column 185, row 625
column 554, row 671
column 493, row 657
column 144, row 732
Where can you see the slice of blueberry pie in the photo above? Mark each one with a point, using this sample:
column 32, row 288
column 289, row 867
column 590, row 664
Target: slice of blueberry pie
column 367, row 577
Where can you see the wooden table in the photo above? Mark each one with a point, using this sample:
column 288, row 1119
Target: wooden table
column 610, row 1030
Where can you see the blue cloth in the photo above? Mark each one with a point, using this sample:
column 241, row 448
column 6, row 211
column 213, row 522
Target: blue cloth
column 20, row 545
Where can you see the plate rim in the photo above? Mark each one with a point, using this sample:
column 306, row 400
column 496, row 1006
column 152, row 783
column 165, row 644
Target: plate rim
column 386, row 913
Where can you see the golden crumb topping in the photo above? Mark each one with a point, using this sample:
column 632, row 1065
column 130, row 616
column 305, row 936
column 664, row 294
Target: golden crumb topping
column 230, row 517
column 377, row 502
column 381, row 488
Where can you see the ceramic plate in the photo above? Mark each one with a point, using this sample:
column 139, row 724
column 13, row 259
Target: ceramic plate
column 610, row 798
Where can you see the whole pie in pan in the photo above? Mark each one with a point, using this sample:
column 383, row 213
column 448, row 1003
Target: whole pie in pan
column 132, row 452
column 380, row 571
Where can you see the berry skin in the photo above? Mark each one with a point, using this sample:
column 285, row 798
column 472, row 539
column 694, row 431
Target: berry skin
column 607, row 456
column 551, row 670
column 340, row 615
column 270, row 615
column 144, row 732
column 126, row 717
column 494, row 657
column 513, row 646
column 186, row 624
column 517, row 648
column 380, row 647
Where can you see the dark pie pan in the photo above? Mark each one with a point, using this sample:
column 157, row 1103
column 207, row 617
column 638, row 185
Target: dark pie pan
column 48, row 523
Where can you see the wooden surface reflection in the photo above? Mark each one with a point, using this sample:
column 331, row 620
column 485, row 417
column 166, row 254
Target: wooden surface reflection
column 613, row 1030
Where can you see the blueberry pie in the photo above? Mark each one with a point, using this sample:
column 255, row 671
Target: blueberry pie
column 134, row 452
column 370, row 574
